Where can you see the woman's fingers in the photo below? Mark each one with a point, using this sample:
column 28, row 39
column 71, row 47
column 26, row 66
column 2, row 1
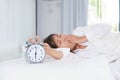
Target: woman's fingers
column 37, row 38
column 31, row 40
column 74, row 39
column 34, row 40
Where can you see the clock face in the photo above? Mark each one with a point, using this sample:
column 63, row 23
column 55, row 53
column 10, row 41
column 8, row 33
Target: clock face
column 35, row 53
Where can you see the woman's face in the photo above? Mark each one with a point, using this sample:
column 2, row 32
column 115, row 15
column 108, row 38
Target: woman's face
column 62, row 41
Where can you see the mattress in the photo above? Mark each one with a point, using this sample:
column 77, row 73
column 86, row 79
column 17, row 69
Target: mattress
column 95, row 68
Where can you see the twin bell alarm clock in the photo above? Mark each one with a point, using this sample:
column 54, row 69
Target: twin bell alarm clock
column 35, row 53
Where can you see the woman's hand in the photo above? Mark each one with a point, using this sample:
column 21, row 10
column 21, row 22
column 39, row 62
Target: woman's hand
column 37, row 38
column 77, row 39
column 34, row 40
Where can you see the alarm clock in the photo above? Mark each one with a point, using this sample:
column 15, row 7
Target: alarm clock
column 35, row 53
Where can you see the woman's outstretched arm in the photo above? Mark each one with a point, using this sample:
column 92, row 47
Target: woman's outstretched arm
column 52, row 52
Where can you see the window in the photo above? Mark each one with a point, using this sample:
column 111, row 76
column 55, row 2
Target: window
column 104, row 11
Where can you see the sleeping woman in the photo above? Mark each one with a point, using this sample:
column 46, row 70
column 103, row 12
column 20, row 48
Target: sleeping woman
column 84, row 41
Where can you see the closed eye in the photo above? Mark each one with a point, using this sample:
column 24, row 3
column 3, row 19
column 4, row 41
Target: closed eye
column 59, row 41
column 59, row 35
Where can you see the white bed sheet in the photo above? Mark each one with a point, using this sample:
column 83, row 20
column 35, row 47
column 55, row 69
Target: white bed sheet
column 115, row 67
column 75, row 69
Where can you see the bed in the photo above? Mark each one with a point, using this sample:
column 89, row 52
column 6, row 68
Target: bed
column 115, row 68
column 73, row 68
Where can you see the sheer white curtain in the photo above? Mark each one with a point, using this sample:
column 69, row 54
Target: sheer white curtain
column 48, row 17
column 74, row 13
column 60, row 16
column 17, row 23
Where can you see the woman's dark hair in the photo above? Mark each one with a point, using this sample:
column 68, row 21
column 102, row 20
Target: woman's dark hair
column 50, row 41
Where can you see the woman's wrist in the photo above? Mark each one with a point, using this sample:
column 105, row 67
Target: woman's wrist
column 55, row 54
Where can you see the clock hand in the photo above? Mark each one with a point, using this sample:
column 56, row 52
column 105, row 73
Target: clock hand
column 35, row 53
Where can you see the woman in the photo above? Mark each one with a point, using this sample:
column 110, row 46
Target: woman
column 64, row 43
column 59, row 45
column 96, row 37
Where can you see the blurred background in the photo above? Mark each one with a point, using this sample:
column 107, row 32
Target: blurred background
column 22, row 19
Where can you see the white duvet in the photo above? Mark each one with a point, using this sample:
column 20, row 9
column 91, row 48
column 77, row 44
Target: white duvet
column 73, row 68
column 102, row 39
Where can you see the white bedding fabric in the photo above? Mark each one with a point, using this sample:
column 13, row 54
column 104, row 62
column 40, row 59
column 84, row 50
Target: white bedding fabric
column 101, row 38
column 68, row 69
column 115, row 67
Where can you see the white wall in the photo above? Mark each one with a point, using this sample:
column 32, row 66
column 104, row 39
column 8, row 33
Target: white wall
column 60, row 16
column 49, row 17
column 74, row 13
column 17, row 23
